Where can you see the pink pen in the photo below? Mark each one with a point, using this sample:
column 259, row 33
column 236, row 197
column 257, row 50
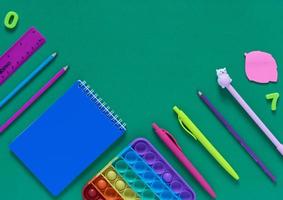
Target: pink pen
column 171, row 143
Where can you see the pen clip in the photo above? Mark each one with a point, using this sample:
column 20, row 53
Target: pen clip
column 172, row 139
column 186, row 129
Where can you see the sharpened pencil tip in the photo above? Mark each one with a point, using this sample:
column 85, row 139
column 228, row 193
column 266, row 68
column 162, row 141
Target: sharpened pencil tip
column 199, row 93
column 274, row 181
column 54, row 54
column 66, row 67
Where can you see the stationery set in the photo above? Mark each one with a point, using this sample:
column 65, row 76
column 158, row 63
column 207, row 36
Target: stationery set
column 59, row 145
column 13, row 58
column 55, row 152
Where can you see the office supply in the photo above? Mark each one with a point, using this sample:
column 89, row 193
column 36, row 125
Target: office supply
column 191, row 129
column 21, row 50
column 138, row 172
column 32, row 99
column 224, row 81
column 274, row 99
column 68, row 137
column 260, row 67
column 236, row 136
column 172, row 144
column 11, row 20
column 27, row 79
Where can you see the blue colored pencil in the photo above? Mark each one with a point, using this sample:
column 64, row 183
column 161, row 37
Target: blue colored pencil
column 27, row 79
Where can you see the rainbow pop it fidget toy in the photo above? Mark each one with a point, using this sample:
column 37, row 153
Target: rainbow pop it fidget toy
column 138, row 172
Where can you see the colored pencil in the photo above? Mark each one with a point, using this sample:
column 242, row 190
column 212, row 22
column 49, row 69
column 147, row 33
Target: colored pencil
column 27, row 79
column 33, row 99
column 236, row 136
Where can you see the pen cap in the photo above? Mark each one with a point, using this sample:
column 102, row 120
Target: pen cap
column 155, row 126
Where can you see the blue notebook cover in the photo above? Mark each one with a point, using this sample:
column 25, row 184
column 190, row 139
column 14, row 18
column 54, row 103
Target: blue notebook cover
column 68, row 137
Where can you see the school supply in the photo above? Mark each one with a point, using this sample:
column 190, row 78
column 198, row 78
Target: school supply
column 21, row 50
column 191, row 129
column 11, row 20
column 172, row 144
column 224, row 81
column 260, row 67
column 236, row 136
column 68, row 137
column 274, row 99
column 27, row 79
column 32, row 99
column 138, row 172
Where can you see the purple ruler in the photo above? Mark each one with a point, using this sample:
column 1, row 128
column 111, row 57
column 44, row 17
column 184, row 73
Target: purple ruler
column 21, row 50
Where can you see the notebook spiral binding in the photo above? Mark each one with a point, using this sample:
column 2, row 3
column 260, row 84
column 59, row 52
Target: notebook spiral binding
column 102, row 105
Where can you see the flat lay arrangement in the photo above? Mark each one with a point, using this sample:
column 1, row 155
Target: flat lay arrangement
column 180, row 149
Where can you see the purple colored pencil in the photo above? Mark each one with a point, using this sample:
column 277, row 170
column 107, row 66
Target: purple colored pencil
column 33, row 99
column 236, row 136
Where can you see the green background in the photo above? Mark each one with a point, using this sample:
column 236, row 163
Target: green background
column 143, row 57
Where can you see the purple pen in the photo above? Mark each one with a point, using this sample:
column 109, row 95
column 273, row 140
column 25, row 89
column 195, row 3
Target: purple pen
column 236, row 136
column 224, row 81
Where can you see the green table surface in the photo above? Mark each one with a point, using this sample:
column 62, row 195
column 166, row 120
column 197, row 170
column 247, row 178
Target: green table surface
column 143, row 57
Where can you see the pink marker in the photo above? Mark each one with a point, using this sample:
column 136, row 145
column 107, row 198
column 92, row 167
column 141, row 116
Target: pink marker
column 171, row 143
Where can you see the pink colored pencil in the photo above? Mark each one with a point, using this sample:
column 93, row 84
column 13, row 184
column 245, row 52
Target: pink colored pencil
column 33, row 99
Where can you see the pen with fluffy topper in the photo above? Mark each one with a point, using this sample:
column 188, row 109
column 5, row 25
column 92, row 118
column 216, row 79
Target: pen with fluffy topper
column 224, row 81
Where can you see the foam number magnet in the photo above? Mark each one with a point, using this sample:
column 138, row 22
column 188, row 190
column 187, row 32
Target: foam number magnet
column 274, row 98
column 11, row 20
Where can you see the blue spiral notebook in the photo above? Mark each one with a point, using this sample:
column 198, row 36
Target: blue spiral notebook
column 68, row 137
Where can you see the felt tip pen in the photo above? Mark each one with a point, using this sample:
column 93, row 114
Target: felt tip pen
column 192, row 129
column 171, row 143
